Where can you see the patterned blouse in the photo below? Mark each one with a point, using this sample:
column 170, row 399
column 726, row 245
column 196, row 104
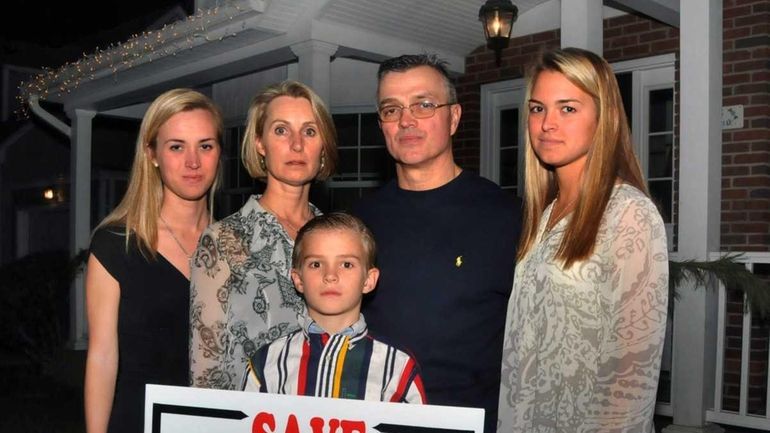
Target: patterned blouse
column 241, row 294
column 583, row 346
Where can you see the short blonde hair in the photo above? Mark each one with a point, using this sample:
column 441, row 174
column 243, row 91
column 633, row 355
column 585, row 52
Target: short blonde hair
column 336, row 221
column 255, row 124
column 139, row 209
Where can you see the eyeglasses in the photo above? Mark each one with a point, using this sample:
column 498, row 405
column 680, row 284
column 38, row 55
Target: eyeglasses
column 419, row 110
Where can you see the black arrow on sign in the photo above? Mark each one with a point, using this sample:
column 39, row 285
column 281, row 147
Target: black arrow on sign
column 398, row 428
column 159, row 409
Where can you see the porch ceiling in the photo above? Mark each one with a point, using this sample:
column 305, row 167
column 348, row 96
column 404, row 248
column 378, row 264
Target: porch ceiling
column 449, row 25
column 245, row 36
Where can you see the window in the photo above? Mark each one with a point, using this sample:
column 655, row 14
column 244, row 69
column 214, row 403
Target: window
column 364, row 163
column 647, row 87
column 236, row 183
column 502, row 141
column 660, row 150
column 509, row 150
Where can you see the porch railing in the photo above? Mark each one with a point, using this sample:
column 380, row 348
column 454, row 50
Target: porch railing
column 742, row 382
column 742, row 376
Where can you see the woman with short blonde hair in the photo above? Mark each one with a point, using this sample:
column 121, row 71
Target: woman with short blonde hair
column 255, row 124
column 242, row 293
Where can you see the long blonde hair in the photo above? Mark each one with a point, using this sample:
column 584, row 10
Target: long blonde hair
column 139, row 209
column 610, row 159
column 255, row 124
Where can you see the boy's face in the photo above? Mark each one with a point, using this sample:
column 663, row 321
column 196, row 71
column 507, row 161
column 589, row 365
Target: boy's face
column 333, row 277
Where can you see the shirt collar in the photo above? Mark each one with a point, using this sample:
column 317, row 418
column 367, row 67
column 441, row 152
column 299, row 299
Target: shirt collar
column 355, row 331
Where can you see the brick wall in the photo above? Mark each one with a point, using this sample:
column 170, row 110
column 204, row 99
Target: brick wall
column 746, row 151
column 746, row 181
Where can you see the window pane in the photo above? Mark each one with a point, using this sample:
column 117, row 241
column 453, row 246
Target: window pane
column 244, row 178
column 347, row 129
column 370, row 131
column 625, row 81
column 661, row 154
column 660, row 190
column 231, row 173
column 348, row 163
column 509, row 128
column 343, row 198
column 229, row 146
column 509, row 167
column 731, row 374
column 364, row 160
column 374, row 163
column 510, row 191
column 662, row 110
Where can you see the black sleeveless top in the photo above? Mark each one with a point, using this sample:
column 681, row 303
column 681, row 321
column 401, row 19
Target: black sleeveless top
column 153, row 325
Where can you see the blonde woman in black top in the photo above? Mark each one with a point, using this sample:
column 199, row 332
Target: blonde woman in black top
column 137, row 283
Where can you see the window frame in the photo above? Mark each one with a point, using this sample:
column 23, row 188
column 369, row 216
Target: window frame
column 502, row 95
column 333, row 183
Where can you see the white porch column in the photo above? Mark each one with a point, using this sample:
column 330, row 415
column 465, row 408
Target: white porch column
column 700, row 175
column 582, row 25
column 315, row 66
column 80, row 218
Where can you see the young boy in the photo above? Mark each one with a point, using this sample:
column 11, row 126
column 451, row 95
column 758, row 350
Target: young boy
column 333, row 355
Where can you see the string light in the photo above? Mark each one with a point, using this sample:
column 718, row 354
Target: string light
column 140, row 48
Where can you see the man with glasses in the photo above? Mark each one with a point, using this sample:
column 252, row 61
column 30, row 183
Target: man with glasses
column 446, row 242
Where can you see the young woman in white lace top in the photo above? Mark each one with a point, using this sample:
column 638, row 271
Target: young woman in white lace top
column 587, row 314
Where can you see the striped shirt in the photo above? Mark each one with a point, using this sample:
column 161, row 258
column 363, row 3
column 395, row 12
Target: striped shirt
column 351, row 364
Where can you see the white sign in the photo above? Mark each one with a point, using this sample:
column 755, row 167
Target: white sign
column 732, row 117
column 175, row 409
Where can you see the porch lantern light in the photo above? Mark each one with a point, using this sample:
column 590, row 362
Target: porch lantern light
column 498, row 17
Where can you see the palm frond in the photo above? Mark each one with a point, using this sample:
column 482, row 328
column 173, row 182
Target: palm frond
column 730, row 272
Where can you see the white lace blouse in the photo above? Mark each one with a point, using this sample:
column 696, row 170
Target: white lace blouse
column 583, row 346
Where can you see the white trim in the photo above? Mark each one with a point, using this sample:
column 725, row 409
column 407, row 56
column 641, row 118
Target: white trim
column 342, row 184
column 353, row 109
column 742, row 257
column 80, row 217
column 664, row 409
column 494, row 98
column 720, row 361
column 733, row 419
column 745, row 356
column 55, row 122
column 645, row 81
column 653, row 62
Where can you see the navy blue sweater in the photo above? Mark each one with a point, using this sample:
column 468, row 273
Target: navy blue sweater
column 446, row 258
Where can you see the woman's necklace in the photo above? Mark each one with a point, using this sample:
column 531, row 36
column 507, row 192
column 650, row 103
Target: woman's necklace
column 171, row 232
column 554, row 217
column 283, row 221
